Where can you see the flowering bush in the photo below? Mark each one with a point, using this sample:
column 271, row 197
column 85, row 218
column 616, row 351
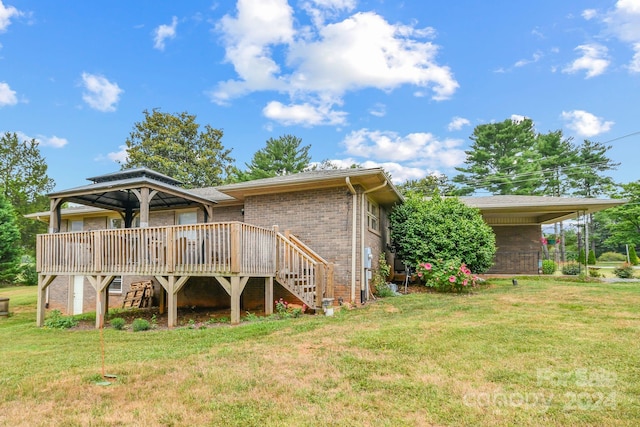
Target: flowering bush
column 447, row 276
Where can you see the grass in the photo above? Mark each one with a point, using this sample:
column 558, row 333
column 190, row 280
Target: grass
column 545, row 352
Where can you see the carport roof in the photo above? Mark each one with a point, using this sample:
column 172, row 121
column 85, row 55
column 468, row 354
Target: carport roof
column 527, row 210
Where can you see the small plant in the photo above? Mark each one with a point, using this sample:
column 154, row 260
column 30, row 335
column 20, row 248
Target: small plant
column 284, row 310
column 191, row 324
column 581, row 257
column 571, row 269
column 251, row 317
column 117, row 323
column 624, row 271
column 154, row 321
column 549, row 266
column 448, row 276
column 57, row 321
column 591, row 259
column 611, row 256
column 140, row 325
column 593, row 272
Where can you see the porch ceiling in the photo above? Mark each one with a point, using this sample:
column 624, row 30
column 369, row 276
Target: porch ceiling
column 536, row 210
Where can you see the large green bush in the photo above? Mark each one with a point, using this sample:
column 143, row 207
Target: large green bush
column 441, row 229
column 549, row 266
column 571, row 268
column 612, row 256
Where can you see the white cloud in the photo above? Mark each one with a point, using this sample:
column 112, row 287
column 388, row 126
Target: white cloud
column 163, row 32
column 589, row 14
column 119, row 156
column 399, row 172
column 324, row 61
column 623, row 22
column 458, row 123
column 7, row 96
column 585, row 123
column 303, row 114
column 45, row 141
column 634, row 65
column 534, row 58
column 419, row 147
column 378, row 110
column 593, row 60
column 100, row 93
column 517, row 118
column 6, row 13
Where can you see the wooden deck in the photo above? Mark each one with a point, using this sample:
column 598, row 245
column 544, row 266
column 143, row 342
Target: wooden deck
column 229, row 251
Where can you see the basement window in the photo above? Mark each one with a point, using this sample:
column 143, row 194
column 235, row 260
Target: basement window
column 373, row 216
column 116, row 285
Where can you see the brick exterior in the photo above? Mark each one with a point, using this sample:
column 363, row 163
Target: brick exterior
column 518, row 249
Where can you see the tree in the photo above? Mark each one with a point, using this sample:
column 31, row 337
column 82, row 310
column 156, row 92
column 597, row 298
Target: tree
column 281, row 156
column 633, row 256
column 441, row 229
column 429, row 185
column 556, row 154
column 173, row 144
column 623, row 222
column 24, row 183
column 9, row 242
column 586, row 176
column 502, row 159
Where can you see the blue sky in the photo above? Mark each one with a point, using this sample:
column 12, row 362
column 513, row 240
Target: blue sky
column 399, row 84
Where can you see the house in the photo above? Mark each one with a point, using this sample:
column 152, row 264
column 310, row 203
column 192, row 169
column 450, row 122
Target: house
column 314, row 237
column 309, row 236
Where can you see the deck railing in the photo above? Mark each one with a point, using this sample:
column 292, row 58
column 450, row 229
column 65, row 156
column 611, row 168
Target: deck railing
column 198, row 249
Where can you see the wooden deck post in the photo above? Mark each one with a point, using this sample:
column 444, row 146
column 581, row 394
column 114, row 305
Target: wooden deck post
column 320, row 278
column 268, row 295
column 43, row 282
column 172, row 297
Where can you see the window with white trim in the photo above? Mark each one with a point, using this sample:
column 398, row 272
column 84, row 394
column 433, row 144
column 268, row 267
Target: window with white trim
column 187, row 218
column 373, row 216
column 115, row 287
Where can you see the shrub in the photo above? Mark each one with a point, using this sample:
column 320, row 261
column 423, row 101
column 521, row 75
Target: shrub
column 612, row 256
column 624, row 271
column 140, row 325
column 581, row 257
column 591, row 259
column 449, row 276
column 633, row 256
column 549, row 266
column 379, row 279
column 27, row 274
column 593, row 272
column 57, row 321
column 441, row 229
column 571, row 269
column 117, row 323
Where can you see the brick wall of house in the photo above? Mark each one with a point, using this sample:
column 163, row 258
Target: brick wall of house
column 322, row 219
column 518, row 249
column 228, row 213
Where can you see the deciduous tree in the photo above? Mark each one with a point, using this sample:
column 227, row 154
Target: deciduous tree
column 24, row 183
column 174, row 145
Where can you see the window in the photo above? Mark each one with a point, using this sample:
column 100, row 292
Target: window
column 77, row 225
column 116, row 285
column 373, row 216
column 116, row 223
column 187, row 218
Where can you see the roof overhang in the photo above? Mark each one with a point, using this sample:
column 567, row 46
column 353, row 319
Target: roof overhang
column 372, row 180
column 536, row 210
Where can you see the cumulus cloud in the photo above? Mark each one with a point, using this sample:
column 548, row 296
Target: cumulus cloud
column 6, row 13
column 100, row 93
column 589, row 14
column 623, row 22
column 420, row 147
column 45, row 141
column 324, row 61
column 7, row 96
column 303, row 114
column 593, row 60
column 119, row 156
column 164, row 32
column 585, row 123
column 399, row 172
column 458, row 123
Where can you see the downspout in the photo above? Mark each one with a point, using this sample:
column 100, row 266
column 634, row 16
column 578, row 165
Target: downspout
column 354, row 202
column 363, row 220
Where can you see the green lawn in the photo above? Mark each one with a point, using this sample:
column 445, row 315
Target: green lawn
column 545, row 352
